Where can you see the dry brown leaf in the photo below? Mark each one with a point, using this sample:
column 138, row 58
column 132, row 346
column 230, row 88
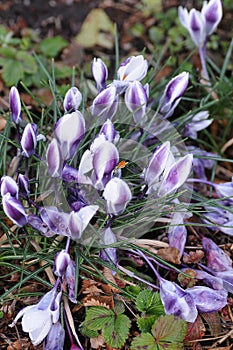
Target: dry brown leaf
column 213, row 321
column 170, row 254
column 2, row 123
column 193, row 257
column 90, row 287
column 108, row 288
column 98, row 342
column 104, row 300
column 196, row 330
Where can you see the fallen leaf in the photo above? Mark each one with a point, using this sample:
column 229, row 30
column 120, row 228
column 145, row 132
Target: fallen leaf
column 97, row 29
column 170, row 254
column 98, row 300
column 196, row 330
column 98, row 342
column 2, row 123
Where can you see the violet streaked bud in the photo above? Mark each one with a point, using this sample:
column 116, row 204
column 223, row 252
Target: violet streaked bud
column 133, row 68
column 217, row 259
column 55, row 338
column 207, row 299
column 37, row 223
column 61, row 261
column 177, row 232
column 105, row 104
column 108, row 254
column 15, row 105
column 198, row 122
column 23, row 184
column 109, row 131
column 105, row 159
column 29, row 140
column 14, row 209
column 227, row 279
column 54, row 159
column 212, row 12
column 157, row 164
column 211, row 281
column 72, row 99
column 69, row 131
column 176, row 175
column 78, row 221
column 70, row 276
column 225, row 189
column 117, row 194
column 136, row 100
column 172, row 94
column 100, row 73
column 57, row 221
column 8, row 185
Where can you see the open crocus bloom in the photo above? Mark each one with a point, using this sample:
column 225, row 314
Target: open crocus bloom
column 38, row 319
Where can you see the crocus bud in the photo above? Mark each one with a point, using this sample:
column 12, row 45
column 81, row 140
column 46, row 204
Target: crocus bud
column 100, row 73
column 157, row 164
column 70, row 276
column 117, row 194
column 136, row 100
column 15, row 105
column 212, row 12
column 176, row 175
column 23, row 184
column 29, row 140
column 61, row 261
column 217, row 259
column 105, row 103
column 198, row 122
column 54, row 159
column 69, row 131
column 105, row 159
column 109, row 254
column 8, row 185
column 133, row 68
column 72, row 99
column 173, row 92
column 109, row 131
column 78, row 221
column 14, row 209
column 177, row 232
column 55, row 338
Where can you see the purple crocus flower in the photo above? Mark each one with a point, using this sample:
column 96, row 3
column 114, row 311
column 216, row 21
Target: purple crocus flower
column 100, row 73
column 225, row 190
column 38, row 319
column 222, row 219
column 54, row 159
column 133, row 68
column 15, row 105
column 29, row 140
column 199, row 122
column 136, row 100
column 117, row 194
column 14, row 209
column 23, row 184
column 202, row 160
column 61, row 261
column 8, row 185
column 212, row 12
column 109, row 131
column 173, row 92
column 69, row 131
column 55, row 338
column 177, row 232
column 72, row 99
column 109, row 254
column 78, row 221
column 70, row 277
column 56, row 220
column 217, row 259
column 105, row 104
column 38, row 224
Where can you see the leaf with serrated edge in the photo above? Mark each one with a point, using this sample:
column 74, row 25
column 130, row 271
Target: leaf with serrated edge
column 98, row 317
column 169, row 329
column 145, row 323
column 116, row 333
column 145, row 341
column 149, row 302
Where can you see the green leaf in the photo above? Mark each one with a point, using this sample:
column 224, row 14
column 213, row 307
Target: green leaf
column 145, row 323
column 144, row 341
column 28, row 62
column 169, row 329
column 88, row 332
column 150, row 303
column 98, row 317
column 119, row 307
column 51, row 47
column 116, row 332
column 8, row 52
column 12, row 72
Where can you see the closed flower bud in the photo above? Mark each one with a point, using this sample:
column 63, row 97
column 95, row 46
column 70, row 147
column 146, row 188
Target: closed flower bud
column 117, row 194
column 23, row 184
column 29, row 140
column 54, row 159
column 78, row 221
column 15, row 105
column 72, row 99
column 105, row 103
column 69, row 131
column 212, row 12
column 8, row 185
column 14, row 210
column 100, row 73
column 61, row 261
column 109, row 131
column 136, row 100
column 133, row 68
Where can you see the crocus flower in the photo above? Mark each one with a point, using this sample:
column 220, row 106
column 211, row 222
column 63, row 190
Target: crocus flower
column 217, row 259
column 176, row 175
column 61, row 261
column 136, row 100
column 38, row 319
column 38, row 224
column 14, row 209
column 29, row 140
column 72, row 99
column 108, row 254
column 54, row 159
column 177, row 232
column 172, row 94
column 56, row 220
column 109, row 131
column 8, row 185
column 78, row 221
column 199, row 122
column 70, row 276
column 15, row 105
column 133, row 68
column 225, row 189
column 69, row 131
column 55, row 338
column 212, row 12
column 105, row 104
column 202, row 160
column 23, row 184
column 222, row 219
column 100, row 73
column 117, row 194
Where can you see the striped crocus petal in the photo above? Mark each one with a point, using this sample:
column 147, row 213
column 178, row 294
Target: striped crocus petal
column 23, row 184
column 136, row 100
column 78, row 221
column 54, row 159
column 100, row 73
column 117, row 195
column 8, row 185
column 212, row 12
column 196, row 28
column 14, row 209
column 133, row 68
column 15, row 105
column 105, row 104
column 72, row 99
column 29, row 140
